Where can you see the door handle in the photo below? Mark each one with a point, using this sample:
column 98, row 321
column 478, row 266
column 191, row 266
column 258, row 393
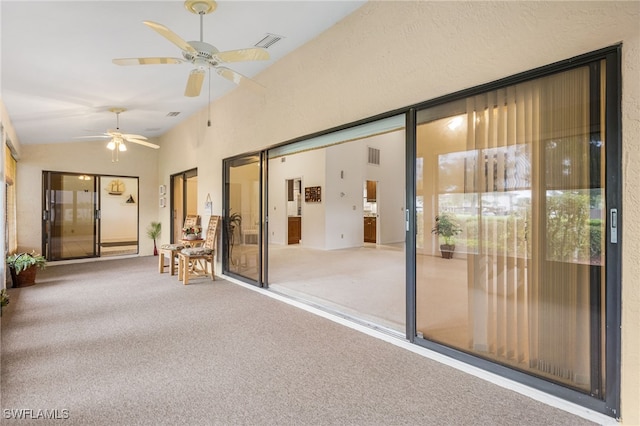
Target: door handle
column 613, row 224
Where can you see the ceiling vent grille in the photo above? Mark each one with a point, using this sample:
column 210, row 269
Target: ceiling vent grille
column 373, row 156
column 173, row 114
column 268, row 41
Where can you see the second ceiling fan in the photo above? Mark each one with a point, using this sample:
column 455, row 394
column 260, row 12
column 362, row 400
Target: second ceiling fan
column 203, row 55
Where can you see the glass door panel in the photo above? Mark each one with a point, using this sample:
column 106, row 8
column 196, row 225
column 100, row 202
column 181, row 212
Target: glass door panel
column 242, row 217
column 69, row 216
column 520, row 172
column 184, row 200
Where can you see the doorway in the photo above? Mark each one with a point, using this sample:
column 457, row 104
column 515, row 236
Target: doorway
column 294, row 210
column 88, row 215
column 370, row 211
column 184, row 200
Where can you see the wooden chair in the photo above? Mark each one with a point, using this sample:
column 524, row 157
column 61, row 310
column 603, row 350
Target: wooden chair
column 200, row 261
column 171, row 250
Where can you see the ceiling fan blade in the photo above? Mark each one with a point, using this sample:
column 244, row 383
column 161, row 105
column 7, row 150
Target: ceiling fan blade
column 141, row 142
column 92, row 137
column 250, row 54
column 239, row 79
column 194, row 84
column 170, row 35
column 146, row 61
column 130, row 136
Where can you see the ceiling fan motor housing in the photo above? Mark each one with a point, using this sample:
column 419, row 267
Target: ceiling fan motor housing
column 205, row 54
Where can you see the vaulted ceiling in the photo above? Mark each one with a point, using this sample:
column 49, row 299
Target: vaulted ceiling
column 58, row 81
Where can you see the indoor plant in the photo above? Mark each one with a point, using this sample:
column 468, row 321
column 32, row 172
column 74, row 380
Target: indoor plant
column 153, row 232
column 447, row 227
column 23, row 267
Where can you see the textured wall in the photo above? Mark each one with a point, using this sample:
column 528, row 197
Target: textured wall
column 392, row 54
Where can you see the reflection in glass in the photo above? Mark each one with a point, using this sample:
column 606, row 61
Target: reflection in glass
column 520, row 171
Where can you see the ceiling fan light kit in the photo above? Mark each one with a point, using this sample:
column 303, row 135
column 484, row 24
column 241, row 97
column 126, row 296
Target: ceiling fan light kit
column 118, row 140
column 201, row 54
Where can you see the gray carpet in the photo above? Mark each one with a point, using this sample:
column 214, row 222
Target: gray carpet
column 114, row 342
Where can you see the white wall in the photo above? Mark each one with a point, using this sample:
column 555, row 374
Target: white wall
column 390, row 175
column 344, row 217
column 310, row 167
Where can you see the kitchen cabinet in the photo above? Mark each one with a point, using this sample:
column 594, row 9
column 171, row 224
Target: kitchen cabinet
column 370, row 229
column 371, row 191
column 294, row 234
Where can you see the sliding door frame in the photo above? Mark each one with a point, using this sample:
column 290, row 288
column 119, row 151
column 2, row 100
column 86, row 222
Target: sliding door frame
column 610, row 404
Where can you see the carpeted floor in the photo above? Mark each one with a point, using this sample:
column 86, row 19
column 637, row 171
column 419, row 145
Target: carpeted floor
column 114, row 342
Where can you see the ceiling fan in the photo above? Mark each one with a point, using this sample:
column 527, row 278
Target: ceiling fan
column 203, row 55
column 118, row 139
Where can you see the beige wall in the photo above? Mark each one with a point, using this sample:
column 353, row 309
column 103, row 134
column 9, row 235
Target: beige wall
column 384, row 56
column 388, row 55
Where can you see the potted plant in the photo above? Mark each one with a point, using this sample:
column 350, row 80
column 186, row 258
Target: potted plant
column 23, row 267
column 153, row 232
column 447, row 227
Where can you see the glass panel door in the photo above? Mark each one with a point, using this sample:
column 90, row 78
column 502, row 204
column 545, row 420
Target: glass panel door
column 242, row 217
column 510, row 211
column 184, row 200
column 69, row 217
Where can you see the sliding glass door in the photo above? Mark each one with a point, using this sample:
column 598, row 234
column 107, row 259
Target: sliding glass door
column 70, row 227
column 520, row 173
column 242, row 234
column 88, row 215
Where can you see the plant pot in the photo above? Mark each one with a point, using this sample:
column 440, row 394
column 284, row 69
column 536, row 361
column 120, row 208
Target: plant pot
column 191, row 237
column 25, row 278
column 446, row 250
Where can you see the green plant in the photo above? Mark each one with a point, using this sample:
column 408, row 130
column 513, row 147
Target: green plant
column 447, row 227
column 153, row 232
column 21, row 261
column 4, row 297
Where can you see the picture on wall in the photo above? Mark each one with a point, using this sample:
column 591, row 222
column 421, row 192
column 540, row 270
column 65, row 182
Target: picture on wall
column 312, row 194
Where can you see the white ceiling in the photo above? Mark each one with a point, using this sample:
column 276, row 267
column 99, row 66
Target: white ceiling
column 58, row 82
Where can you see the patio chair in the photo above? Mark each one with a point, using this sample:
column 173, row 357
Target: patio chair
column 171, row 250
column 199, row 261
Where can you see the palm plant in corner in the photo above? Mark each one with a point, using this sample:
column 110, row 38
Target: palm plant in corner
column 153, row 232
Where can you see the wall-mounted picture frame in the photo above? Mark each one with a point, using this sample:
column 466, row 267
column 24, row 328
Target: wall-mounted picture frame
column 312, row 194
column 163, row 189
column 163, row 202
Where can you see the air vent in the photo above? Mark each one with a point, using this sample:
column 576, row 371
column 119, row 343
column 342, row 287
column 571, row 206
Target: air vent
column 268, row 41
column 374, row 156
column 173, row 114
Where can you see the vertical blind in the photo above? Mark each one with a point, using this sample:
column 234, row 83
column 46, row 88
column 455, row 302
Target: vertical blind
column 529, row 277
